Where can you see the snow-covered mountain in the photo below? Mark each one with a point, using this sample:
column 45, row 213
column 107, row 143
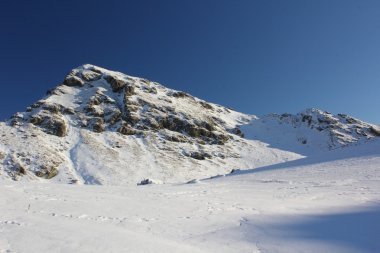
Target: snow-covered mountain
column 105, row 127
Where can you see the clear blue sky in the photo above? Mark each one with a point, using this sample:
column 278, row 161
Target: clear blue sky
column 254, row 56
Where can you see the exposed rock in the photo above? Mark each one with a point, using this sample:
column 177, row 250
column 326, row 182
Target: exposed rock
column 89, row 75
column 129, row 90
column 22, row 170
column 147, row 181
column 113, row 117
column 152, row 90
column 47, row 172
column 37, row 104
column 351, row 120
column 72, row 80
column 70, row 111
column 238, row 132
column 127, row 130
column 51, row 123
column 177, row 138
column 97, row 125
column 117, row 84
column 181, row 94
column 199, row 155
column 54, row 108
column 206, row 105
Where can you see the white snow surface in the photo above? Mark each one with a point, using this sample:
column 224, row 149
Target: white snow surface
column 327, row 203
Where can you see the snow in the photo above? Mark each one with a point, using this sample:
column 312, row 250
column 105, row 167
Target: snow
column 326, row 203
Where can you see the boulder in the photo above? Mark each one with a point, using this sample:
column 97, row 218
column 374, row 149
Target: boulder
column 47, row 172
column 199, row 155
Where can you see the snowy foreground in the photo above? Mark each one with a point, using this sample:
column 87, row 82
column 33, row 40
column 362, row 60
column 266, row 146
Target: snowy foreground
column 329, row 203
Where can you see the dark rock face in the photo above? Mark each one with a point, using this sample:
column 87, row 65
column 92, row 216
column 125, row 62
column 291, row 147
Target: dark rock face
column 238, row 132
column 116, row 83
column 97, row 125
column 72, row 80
column 199, row 155
column 206, row 105
column 51, row 124
column 181, row 94
column 126, row 130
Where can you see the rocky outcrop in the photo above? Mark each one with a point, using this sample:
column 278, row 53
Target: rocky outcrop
column 341, row 128
column 51, row 123
column 72, row 80
column 116, row 83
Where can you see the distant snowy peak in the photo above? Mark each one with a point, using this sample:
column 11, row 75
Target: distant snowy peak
column 312, row 128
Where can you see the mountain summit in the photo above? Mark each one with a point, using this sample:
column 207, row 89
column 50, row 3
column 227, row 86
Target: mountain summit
column 105, row 127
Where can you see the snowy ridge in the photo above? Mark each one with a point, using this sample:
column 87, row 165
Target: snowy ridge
column 310, row 131
column 105, row 127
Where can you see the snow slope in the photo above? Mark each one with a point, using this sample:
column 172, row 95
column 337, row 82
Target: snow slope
column 329, row 203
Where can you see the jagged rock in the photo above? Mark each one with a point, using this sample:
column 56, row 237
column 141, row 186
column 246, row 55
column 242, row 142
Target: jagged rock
column 97, row 125
column 129, row 90
column 152, row 90
column 351, row 120
column 89, row 75
column 117, row 84
column 113, row 117
column 200, row 155
column 46, row 172
column 51, row 123
column 94, row 111
column 37, row 104
column 180, row 94
column 178, row 138
column 127, row 130
column 22, row 170
column 54, row 108
column 70, row 111
column 206, row 105
column 72, row 80
column 238, row 132
column 147, row 181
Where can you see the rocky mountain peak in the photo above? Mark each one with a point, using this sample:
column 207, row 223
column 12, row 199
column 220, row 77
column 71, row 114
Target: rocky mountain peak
column 104, row 127
column 101, row 100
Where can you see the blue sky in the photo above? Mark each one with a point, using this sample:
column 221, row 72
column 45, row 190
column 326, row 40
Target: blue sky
column 254, row 56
